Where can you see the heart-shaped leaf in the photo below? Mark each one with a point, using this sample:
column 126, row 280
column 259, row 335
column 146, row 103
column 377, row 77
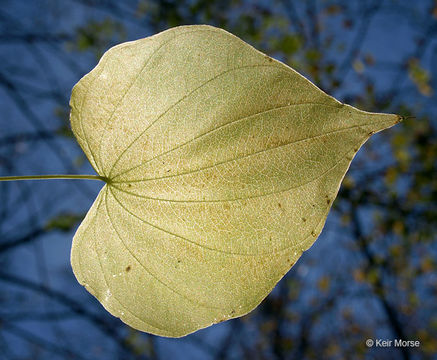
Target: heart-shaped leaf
column 221, row 167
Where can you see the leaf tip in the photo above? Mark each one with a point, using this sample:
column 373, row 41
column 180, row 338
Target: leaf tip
column 403, row 118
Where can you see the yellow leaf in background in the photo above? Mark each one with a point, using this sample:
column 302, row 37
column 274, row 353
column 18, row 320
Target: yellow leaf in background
column 221, row 164
column 420, row 77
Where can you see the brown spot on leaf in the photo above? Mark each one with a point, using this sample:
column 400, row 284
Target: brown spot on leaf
column 313, row 233
column 328, row 201
column 303, row 219
column 279, row 205
column 128, row 268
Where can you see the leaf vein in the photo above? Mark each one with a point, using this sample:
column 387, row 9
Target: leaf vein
column 107, row 283
column 99, row 151
column 179, row 101
column 233, row 199
column 240, row 157
column 147, row 270
column 233, row 122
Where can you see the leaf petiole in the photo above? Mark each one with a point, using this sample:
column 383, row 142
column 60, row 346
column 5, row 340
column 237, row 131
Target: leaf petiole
column 49, row 177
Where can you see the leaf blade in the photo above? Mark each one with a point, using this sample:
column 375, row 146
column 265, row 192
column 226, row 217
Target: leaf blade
column 222, row 165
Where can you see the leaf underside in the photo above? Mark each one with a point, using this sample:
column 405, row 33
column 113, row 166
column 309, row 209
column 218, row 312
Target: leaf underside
column 222, row 165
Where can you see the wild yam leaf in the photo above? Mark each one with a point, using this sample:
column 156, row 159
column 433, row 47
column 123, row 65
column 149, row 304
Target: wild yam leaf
column 222, row 165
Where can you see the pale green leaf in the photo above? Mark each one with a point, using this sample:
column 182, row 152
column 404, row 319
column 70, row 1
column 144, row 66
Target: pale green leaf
column 222, row 165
